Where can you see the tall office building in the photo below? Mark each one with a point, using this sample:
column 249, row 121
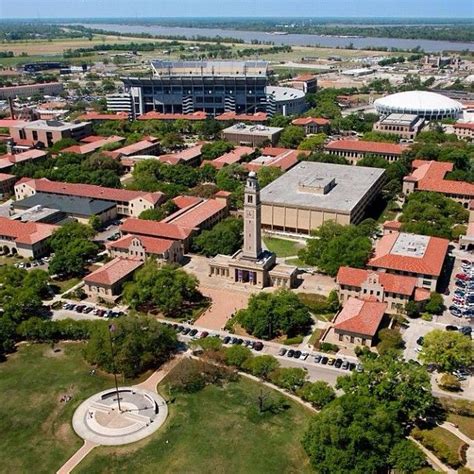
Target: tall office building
column 214, row 87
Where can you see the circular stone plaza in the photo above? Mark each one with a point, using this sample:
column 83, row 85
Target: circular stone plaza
column 429, row 105
column 100, row 420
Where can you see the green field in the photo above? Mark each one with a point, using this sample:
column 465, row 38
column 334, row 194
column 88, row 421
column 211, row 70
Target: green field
column 215, row 427
column 213, row 430
column 36, row 432
column 282, row 247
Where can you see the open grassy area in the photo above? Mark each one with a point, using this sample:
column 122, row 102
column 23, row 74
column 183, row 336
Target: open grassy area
column 213, row 430
column 465, row 424
column 36, row 432
column 282, row 247
column 65, row 285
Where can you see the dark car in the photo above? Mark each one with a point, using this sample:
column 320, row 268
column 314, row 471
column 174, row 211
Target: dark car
column 338, row 363
column 226, row 340
column 257, row 346
column 193, row 332
column 450, row 327
column 317, row 358
column 282, row 351
column 179, row 329
column 185, row 331
column 239, row 341
column 466, row 330
column 297, row 354
column 204, row 334
column 352, row 366
column 234, row 340
column 290, row 353
column 420, row 340
column 324, row 360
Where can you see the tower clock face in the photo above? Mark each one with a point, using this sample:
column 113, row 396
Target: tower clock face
column 249, row 214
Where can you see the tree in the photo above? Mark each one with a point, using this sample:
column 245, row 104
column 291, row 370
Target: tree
column 433, row 214
column 230, row 178
column 224, row 238
column 237, row 355
column 449, row 350
column 291, row 136
column 211, row 151
column 261, row 366
column 140, row 343
column 335, row 245
column 318, row 393
column 291, row 378
column 270, row 314
column 95, row 222
column 352, row 434
column 435, row 304
column 267, row 174
column 313, row 143
column 167, row 288
column 405, row 457
column 450, row 382
column 390, row 340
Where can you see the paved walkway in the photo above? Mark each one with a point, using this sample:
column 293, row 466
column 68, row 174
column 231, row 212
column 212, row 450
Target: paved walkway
column 77, row 457
column 470, row 451
column 432, row 459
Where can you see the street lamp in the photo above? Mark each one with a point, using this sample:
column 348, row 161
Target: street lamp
column 112, row 329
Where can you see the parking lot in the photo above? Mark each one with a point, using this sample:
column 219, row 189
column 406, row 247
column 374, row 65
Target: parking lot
column 460, row 301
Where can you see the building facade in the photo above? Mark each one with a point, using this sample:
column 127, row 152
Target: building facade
column 354, row 150
column 406, row 126
column 28, row 90
column 252, row 135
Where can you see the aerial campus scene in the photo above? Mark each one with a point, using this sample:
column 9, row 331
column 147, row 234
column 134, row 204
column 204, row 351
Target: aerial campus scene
column 236, row 236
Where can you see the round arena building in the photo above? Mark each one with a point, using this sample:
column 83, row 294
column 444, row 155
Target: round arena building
column 428, row 105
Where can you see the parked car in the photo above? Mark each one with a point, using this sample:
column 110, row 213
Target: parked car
column 186, row 331
column 290, row 353
column 317, row 358
column 420, row 340
column 226, row 339
column 304, row 355
column 338, row 363
column 466, row 330
column 193, row 332
column 282, row 351
column 451, row 327
column 463, row 277
column 331, row 361
column 257, row 346
column 324, row 360
column 297, row 354
column 345, row 365
column 204, row 334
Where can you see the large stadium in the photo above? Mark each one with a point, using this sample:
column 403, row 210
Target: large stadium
column 428, row 105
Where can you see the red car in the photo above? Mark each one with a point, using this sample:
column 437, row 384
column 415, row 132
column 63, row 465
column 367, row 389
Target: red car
column 463, row 277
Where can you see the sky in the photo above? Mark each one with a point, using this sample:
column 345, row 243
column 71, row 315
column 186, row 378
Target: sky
column 235, row 8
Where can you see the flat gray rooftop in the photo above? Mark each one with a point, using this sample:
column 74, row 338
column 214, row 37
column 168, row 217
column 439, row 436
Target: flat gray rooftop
column 252, row 129
column 51, row 125
column 310, row 185
column 410, row 245
column 400, row 119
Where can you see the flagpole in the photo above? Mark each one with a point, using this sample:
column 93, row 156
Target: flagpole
column 111, row 330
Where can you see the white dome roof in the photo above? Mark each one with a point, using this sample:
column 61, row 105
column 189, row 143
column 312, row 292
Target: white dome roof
column 417, row 102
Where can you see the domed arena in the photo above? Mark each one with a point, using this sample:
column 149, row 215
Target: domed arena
column 428, row 105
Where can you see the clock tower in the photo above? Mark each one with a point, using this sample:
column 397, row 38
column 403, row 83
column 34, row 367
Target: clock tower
column 252, row 219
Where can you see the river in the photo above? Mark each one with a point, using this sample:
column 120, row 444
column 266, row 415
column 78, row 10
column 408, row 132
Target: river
column 290, row 39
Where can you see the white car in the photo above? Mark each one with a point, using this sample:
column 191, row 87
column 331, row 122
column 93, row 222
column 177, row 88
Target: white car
column 304, row 356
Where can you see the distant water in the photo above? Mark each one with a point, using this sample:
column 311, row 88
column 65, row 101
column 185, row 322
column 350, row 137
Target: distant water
column 290, row 39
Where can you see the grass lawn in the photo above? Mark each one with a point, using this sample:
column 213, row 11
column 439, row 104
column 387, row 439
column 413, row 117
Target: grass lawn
column 296, row 262
column 65, row 285
column 315, row 337
column 465, row 424
column 212, row 430
column 282, row 247
column 36, row 432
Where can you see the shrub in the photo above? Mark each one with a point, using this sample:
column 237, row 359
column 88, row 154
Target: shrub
column 237, row 355
column 291, row 378
column 426, row 317
column 293, row 340
column 328, row 347
column 450, row 383
column 319, row 393
column 390, row 339
column 261, row 366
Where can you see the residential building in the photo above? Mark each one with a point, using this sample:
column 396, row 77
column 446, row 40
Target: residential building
column 412, row 255
column 312, row 193
column 234, row 156
column 48, row 132
column 282, row 158
column 9, row 160
column 431, row 176
column 405, row 126
column 312, row 124
column 395, row 290
column 142, row 247
column 27, row 239
column 106, row 282
column 251, row 265
column 29, row 90
column 92, row 144
column 358, row 322
column 79, row 208
column 189, row 156
column 252, row 135
column 213, row 87
column 129, row 203
column 464, row 130
column 149, row 146
column 355, row 150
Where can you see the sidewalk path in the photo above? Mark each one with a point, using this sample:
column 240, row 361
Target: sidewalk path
column 470, row 451
column 77, row 457
column 432, row 459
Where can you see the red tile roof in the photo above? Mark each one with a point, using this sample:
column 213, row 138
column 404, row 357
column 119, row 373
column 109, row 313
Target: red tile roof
column 468, row 126
column 113, row 271
column 285, row 160
column 304, row 77
column 195, row 216
column 92, row 139
column 6, row 177
column 422, row 294
column 90, row 190
column 274, row 151
column 309, row 120
column 185, row 156
column 360, row 317
column 159, row 116
column 392, row 225
column 152, row 245
column 7, row 123
column 257, row 117
column 25, row 232
column 8, row 160
column 366, row 147
column 138, row 147
column 90, row 147
column 97, row 116
column 399, row 284
column 430, row 263
column 186, row 201
column 155, row 229
column 234, row 156
column 430, row 176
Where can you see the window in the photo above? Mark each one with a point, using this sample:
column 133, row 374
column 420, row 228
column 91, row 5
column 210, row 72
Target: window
column 35, row 135
column 250, row 199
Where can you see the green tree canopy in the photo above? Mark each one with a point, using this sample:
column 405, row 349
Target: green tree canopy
column 224, row 238
column 267, row 174
column 291, row 136
column 211, row 151
column 313, row 143
column 318, row 393
column 449, row 350
column 270, row 314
